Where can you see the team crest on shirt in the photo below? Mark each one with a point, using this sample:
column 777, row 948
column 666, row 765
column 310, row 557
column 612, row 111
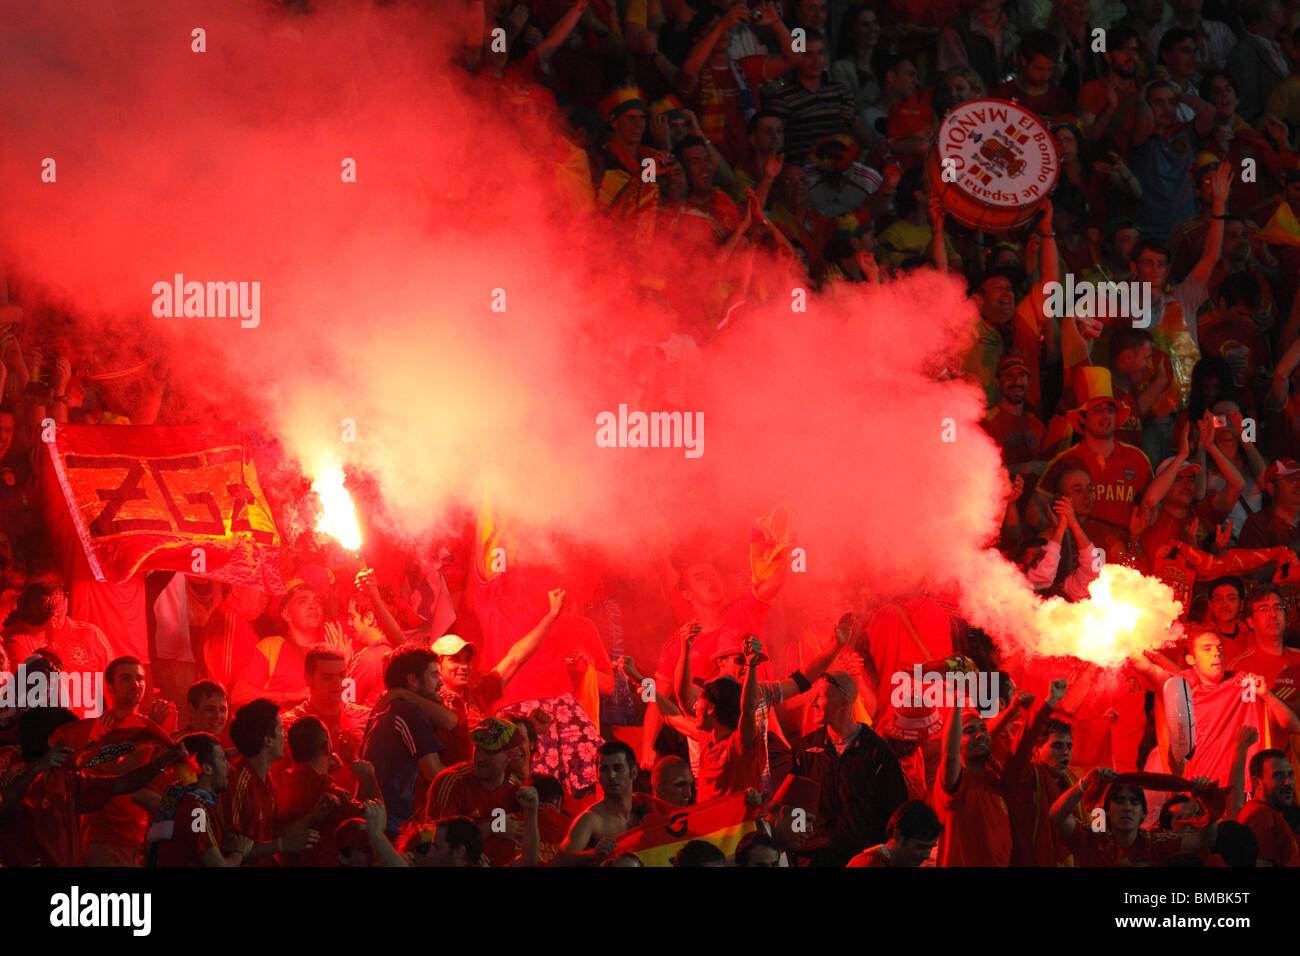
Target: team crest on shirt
column 1129, row 474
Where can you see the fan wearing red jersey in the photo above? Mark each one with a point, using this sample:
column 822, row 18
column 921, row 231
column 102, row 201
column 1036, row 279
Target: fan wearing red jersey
column 1120, row 473
column 187, row 829
column 1010, row 423
column 1272, row 781
column 483, row 789
column 248, row 806
column 41, row 802
column 307, row 789
column 968, row 796
column 472, row 697
column 1119, row 840
column 113, row 836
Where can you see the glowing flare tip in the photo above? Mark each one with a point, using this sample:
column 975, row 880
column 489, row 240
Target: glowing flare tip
column 338, row 516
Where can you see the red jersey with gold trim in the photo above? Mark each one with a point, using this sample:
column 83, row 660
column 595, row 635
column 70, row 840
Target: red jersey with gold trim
column 457, row 792
column 248, row 807
column 197, row 830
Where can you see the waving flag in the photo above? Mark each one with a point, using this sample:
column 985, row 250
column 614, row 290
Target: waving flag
column 723, row 821
column 159, row 498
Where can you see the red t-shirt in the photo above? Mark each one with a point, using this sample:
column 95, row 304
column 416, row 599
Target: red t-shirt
column 1118, row 480
column 1267, row 666
column 367, row 673
column 1094, row 99
column 872, row 856
column 297, row 791
column 197, row 829
column 726, row 767
column 1051, row 103
column 457, row 792
column 1019, row 436
column 1151, row 848
column 545, row 674
column 1277, row 844
column 347, row 730
column 228, row 643
column 976, row 823
column 910, row 117
column 248, row 807
column 82, row 647
column 121, row 822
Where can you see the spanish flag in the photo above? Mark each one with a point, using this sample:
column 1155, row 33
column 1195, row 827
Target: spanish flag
column 723, row 821
column 1282, row 228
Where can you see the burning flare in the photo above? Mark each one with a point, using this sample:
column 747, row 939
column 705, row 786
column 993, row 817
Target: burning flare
column 1125, row 614
column 338, row 517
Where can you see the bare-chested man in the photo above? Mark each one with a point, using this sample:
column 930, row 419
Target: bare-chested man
column 595, row 833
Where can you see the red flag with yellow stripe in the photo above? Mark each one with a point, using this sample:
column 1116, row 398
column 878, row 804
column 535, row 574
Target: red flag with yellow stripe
column 723, row 821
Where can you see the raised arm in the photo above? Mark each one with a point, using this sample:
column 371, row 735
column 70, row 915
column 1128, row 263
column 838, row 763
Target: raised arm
column 950, row 762
column 669, row 712
column 703, row 49
column 530, row 853
column 560, row 32
column 387, row 623
column 1162, row 482
column 530, row 642
column 683, row 687
column 1062, row 814
column 1221, row 184
column 817, row 665
column 749, row 694
column 376, row 823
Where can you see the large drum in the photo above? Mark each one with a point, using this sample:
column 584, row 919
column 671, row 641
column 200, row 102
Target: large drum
column 1001, row 164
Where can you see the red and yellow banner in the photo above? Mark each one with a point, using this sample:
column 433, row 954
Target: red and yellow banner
column 167, row 498
column 723, row 821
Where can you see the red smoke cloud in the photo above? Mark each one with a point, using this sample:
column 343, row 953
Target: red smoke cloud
column 376, row 302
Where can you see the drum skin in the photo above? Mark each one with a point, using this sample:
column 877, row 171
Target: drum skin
column 1001, row 161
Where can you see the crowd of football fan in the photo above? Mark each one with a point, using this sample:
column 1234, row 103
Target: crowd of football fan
column 344, row 723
